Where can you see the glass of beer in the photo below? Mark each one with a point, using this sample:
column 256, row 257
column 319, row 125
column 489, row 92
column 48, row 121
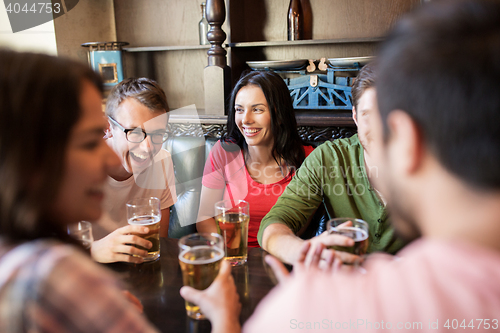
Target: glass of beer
column 82, row 232
column 200, row 256
column 357, row 229
column 231, row 218
column 146, row 212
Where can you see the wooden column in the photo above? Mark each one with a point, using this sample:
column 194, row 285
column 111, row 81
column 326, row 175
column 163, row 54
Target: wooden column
column 217, row 75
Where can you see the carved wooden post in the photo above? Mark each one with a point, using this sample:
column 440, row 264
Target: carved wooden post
column 217, row 75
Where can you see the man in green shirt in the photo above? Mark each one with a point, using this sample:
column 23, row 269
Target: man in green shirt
column 337, row 173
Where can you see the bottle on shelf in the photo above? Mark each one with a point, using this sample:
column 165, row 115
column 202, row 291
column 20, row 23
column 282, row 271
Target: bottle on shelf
column 308, row 19
column 295, row 21
column 203, row 26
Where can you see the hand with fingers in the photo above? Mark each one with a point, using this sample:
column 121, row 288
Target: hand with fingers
column 309, row 259
column 332, row 239
column 327, row 241
column 219, row 302
column 120, row 246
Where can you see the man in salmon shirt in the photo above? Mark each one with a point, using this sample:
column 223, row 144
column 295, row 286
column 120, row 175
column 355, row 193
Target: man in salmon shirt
column 438, row 147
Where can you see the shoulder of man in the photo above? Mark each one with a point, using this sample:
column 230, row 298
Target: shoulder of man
column 344, row 143
column 335, row 151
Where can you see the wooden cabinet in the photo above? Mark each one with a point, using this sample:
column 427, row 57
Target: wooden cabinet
column 341, row 28
column 163, row 37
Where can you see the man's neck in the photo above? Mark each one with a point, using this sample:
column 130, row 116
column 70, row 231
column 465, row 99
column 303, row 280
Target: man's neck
column 372, row 172
column 120, row 174
column 446, row 208
column 370, row 168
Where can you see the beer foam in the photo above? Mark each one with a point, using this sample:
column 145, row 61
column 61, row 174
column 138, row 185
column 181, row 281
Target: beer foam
column 359, row 234
column 218, row 256
column 144, row 220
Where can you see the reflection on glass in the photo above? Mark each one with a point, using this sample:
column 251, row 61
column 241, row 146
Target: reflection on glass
column 232, row 220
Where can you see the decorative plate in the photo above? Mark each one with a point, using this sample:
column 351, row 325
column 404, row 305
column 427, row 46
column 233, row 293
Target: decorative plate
column 337, row 62
column 278, row 64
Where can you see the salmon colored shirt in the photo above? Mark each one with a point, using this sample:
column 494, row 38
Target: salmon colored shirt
column 434, row 284
column 226, row 170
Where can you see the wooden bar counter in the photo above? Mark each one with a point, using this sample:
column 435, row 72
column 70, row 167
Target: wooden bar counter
column 157, row 286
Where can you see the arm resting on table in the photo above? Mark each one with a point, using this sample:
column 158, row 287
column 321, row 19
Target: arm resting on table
column 279, row 240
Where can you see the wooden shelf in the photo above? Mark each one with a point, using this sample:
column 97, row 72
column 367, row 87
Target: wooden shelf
column 163, row 39
column 304, row 118
column 166, row 48
column 255, row 44
column 322, row 118
column 307, row 42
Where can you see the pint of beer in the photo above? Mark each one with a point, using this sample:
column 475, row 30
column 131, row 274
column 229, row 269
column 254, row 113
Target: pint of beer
column 146, row 212
column 232, row 219
column 200, row 256
column 356, row 229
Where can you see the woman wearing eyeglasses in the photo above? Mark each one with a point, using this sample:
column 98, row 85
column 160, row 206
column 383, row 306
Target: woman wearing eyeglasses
column 136, row 110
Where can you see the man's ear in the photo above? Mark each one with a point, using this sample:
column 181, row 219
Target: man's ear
column 107, row 132
column 354, row 115
column 406, row 139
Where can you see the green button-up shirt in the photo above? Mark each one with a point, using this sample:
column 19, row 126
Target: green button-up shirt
column 335, row 173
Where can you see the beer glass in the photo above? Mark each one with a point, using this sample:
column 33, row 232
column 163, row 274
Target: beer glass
column 358, row 231
column 146, row 212
column 200, row 256
column 231, row 218
column 82, row 232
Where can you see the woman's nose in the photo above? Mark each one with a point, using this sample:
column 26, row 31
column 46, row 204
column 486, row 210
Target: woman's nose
column 247, row 117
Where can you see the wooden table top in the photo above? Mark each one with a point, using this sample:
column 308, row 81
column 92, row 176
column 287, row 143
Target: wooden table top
column 157, row 285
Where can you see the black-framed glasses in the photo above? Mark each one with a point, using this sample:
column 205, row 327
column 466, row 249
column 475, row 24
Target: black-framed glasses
column 137, row 135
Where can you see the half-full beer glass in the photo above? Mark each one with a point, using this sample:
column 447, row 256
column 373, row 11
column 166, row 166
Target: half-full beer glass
column 357, row 229
column 232, row 219
column 200, row 256
column 146, row 212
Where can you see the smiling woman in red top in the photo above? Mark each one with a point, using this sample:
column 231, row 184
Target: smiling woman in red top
column 258, row 157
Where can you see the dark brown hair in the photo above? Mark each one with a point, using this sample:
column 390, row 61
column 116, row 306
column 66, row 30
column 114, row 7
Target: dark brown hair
column 365, row 80
column 441, row 66
column 40, row 104
column 287, row 142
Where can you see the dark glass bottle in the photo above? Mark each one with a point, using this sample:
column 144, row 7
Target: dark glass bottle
column 308, row 19
column 295, row 21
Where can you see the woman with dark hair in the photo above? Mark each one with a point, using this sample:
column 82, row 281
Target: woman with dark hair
column 258, row 157
column 53, row 165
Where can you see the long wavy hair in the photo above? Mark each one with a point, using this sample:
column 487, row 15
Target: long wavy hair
column 287, row 143
column 40, row 99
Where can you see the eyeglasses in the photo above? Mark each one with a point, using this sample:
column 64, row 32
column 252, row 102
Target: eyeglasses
column 137, row 135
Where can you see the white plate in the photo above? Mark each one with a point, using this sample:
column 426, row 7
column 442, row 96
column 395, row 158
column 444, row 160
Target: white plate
column 336, row 62
column 278, row 64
